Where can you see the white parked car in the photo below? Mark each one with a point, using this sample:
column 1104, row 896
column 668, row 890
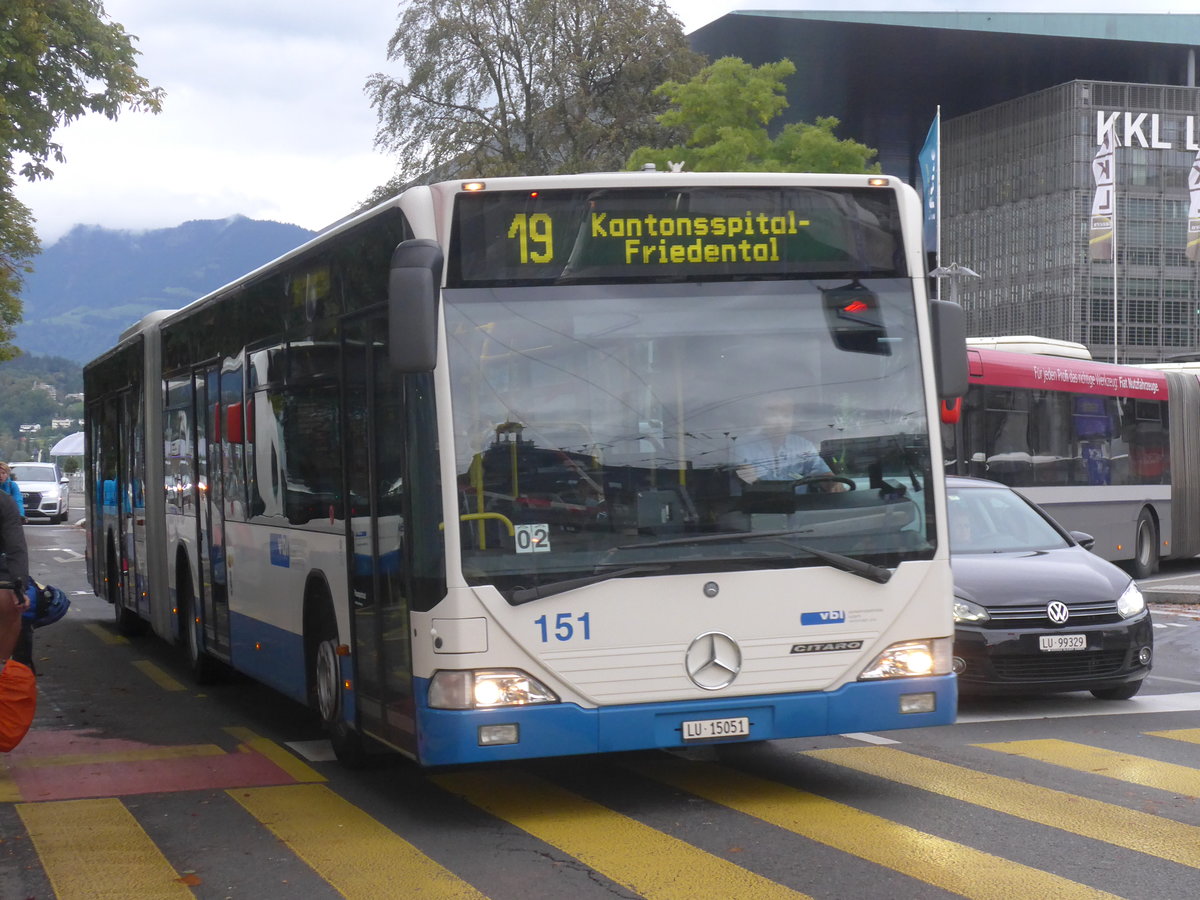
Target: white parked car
column 44, row 488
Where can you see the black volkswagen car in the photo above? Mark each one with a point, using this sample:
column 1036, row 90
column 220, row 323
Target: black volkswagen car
column 1034, row 610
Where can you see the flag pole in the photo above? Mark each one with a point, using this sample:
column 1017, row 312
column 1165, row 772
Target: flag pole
column 1102, row 242
column 937, row 196
column 1116, row 318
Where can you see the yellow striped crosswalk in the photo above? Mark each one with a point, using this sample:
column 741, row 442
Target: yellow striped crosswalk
column 943, row 863
column 1110, row 764
column 353, row 852
column 95, row 849
column 1117, row 825
column 654, row 864
column 98, row 848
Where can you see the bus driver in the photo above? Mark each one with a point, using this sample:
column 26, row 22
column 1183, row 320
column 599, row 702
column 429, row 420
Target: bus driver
column 775, row 452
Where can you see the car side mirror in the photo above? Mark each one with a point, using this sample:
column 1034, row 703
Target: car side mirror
column 1083, row 539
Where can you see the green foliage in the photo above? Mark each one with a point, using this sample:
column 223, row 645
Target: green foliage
column 723, row 114
column 58, row 62
column 25, row 400
column 533, row 87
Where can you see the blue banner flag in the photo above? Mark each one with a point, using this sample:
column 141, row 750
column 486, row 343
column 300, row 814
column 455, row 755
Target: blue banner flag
column 928, row 158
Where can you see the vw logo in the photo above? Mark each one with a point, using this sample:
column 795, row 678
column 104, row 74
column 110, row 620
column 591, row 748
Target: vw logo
column 713, row 661
column 1058, row 612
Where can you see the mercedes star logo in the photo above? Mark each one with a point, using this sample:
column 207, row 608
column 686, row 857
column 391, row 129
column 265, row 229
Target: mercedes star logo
column 713, row 661
column 1058, row 612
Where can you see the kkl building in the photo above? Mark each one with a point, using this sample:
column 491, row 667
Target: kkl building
column 1080, row 206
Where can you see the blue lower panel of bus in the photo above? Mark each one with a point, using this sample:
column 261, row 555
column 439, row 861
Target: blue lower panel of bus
column 269, row 654
column 450, row 737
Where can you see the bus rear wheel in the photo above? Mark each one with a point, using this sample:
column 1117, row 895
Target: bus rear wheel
column 203, row 667
column 129, row 623
column 1145, row 546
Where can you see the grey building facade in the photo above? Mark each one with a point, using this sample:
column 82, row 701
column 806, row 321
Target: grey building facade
column 1022, row 96
column 1017, row 191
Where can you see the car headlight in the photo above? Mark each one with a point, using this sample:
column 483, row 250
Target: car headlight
column 50, row 493
column 910, row 659
column 969, row 611
column 1131, row 602
column 486, row 689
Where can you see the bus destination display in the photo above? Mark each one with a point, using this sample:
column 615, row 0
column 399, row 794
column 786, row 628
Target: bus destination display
column 548, row 237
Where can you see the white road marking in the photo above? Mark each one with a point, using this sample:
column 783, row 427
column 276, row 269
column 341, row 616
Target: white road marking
column 1055, row 707
column 869, row 738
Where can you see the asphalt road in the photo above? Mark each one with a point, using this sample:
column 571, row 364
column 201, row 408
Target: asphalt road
column 136, row 783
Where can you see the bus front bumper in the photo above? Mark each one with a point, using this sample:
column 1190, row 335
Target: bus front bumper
column 455, row 737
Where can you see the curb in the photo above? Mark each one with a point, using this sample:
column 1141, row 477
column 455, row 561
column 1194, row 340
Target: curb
column 1186, row 595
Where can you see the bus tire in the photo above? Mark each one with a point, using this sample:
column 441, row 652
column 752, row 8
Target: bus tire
column 325, row 686
column 1145, row 545
column 128, row 622
column 202, row 666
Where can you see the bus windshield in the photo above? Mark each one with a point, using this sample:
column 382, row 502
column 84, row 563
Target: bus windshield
column 598, row 427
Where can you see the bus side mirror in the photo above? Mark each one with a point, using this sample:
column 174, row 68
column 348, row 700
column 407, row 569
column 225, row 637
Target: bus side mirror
column 949, row 329
column 413, row 288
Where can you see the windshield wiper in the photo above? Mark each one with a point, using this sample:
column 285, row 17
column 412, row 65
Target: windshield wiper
column 839, row 561
column 528, row 595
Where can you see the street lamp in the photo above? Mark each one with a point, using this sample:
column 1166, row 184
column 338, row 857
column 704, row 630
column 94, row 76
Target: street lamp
column 955, row 273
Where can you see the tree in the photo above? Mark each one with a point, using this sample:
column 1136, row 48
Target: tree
column 58, row 61
column 724, row 111
column 530, row 87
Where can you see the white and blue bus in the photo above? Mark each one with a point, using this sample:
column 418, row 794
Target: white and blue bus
column 463, row 472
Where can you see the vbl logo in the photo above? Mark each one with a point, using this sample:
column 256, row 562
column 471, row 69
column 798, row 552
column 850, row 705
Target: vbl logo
column 828, row 617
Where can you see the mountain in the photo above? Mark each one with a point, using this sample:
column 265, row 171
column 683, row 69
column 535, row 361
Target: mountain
column 94, row 282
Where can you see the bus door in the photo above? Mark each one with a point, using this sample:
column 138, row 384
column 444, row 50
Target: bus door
column 373, row 401
column 112, row 532
column 133, row 507
column 214, row 594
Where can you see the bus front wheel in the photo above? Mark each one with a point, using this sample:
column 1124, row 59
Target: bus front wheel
column 1145, row 546
column 348, row 745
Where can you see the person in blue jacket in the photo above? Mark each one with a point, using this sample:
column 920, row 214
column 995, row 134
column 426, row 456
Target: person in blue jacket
column 10, row 487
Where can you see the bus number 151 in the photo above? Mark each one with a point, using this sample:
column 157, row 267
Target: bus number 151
column 533, row 231
column 564, row 626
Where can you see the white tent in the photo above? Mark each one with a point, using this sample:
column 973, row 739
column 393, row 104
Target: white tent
column 71, row 445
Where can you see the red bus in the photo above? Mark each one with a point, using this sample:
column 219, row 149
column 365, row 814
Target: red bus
column 1106, row 449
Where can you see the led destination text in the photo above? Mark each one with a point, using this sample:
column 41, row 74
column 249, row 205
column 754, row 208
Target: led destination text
column 654, row 240
column 632, row 229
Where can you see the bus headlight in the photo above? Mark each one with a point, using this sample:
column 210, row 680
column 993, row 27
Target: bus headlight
column 910, row 659
column 486, row 689
column 1131, row 602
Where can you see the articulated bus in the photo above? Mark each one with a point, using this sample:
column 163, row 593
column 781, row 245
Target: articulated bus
column 466, row 473
column 1109, row 450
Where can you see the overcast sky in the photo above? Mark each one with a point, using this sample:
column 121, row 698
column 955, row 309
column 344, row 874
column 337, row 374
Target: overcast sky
column 265, row 114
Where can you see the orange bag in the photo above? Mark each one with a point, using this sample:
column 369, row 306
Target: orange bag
column 18, row 703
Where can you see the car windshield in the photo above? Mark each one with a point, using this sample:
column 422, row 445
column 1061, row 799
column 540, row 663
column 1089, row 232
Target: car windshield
column 996, row 520
column 21, row 473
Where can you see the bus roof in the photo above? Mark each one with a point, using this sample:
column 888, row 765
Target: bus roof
column 1027, row 343
column 1086, row 376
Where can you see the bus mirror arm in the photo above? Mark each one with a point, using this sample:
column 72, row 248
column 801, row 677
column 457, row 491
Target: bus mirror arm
column 948, row 325
column 413, row 282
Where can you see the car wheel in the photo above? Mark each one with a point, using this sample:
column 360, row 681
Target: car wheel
column 1122, row 692
column 1145, row 546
